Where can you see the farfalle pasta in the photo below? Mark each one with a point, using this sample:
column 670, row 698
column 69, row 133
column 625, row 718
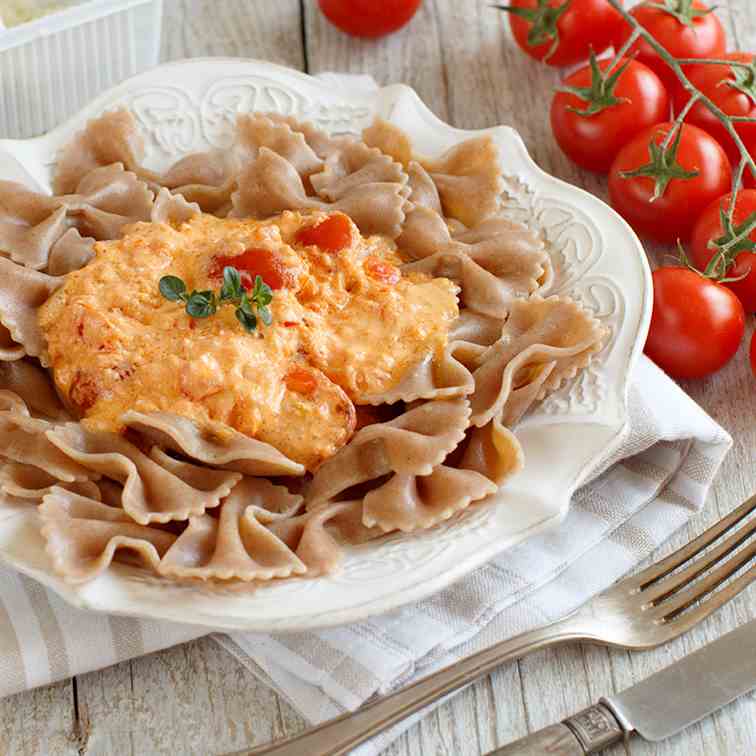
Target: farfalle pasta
column 237, row 368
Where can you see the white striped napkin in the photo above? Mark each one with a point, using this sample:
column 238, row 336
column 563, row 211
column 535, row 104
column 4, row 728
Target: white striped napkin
column 654, row 483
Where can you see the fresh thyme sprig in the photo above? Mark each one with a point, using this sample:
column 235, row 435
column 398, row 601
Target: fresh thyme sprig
column 202, row 304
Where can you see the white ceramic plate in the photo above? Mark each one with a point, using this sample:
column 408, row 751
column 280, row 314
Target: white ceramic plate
column 189, row 106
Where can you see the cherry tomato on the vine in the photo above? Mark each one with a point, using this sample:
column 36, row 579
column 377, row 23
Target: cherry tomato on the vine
column 696, row 326
column 732, row 89
column 562, row 32
column 713, row 231
column 661, row 185
column 753, row 353
column 685, row 29
column 368, row 18
column 601, row 113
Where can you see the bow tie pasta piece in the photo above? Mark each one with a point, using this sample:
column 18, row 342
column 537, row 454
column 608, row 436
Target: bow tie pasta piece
column 234, row 451
column 237, row 545
column 206, row 179
column 316, row 537
column 468, row 176
column 22, row 291
column 257, row 130
column 35, row 229
column 112, row 138
column 212, row 169
column 469, row 180
column 107, row 199
column 414, row 442
column 31, row 385
column 481, row 289
column 29, row 482
column 494, row 263
column 544, row 341
column 415, row 502
column 271, row 185
column 23, row 439
column 357, row 165
column 172, row 209
column 84, row 536
column 492, row 451
column 326, row 147
column 390, row 140
column 476, row 469
column 437, row 376
column 151, row 492
column 71, row 252
column 30, row 224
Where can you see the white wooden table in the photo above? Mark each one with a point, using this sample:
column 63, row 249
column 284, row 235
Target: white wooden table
column 196, row 698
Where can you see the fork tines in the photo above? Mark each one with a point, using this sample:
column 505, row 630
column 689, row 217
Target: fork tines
column 663, row 589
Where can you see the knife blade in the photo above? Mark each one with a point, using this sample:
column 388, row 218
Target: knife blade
column 659, row 706
column 691, row 689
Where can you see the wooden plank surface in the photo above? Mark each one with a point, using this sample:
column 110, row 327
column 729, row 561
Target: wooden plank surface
column 196, row 698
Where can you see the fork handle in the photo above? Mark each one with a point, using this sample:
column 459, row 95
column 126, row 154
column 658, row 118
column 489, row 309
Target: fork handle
column 339, row 736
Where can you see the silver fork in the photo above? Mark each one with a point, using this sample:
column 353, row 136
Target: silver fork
column 639, row 612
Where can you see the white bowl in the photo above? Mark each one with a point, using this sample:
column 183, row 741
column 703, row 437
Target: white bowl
column 51, row 67
column 188, row 106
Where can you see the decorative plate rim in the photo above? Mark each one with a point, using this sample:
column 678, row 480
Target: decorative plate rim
column 487, row 530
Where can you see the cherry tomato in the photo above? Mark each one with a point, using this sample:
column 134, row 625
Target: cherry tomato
column 720, row 84
column 703, row 37
column 753, row 353
column 563, row 32
column 256, row 262
column 331, row 235
column 368, row 18
column 704, row 175
column 709, row 228
column 635, row 101
column 382, row 271
column 696, row 326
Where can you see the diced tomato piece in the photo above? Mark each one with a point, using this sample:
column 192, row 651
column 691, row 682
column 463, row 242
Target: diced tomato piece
column 382, row 271
column 331, row 235
column 84, row 391
column 256, row 262
column 301, row 381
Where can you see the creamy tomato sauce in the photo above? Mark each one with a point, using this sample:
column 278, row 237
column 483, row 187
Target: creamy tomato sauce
column 346, row 325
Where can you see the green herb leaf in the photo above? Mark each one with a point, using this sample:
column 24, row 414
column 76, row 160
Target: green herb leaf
column 201, row 304
column 232, row 288
column 172, row 288
column 265, row 315
column 247, row 319
column 262, row 294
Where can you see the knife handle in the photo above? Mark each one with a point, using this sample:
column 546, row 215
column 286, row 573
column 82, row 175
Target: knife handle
column 588, row 731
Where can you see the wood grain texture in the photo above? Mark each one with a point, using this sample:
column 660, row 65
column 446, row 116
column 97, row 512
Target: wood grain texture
column 197, row 699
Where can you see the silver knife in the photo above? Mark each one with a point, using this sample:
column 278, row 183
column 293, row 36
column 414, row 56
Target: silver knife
column 658, row 707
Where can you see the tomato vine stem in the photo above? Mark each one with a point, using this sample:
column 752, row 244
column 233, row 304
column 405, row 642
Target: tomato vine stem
column 631, row 40
column 676, row 64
